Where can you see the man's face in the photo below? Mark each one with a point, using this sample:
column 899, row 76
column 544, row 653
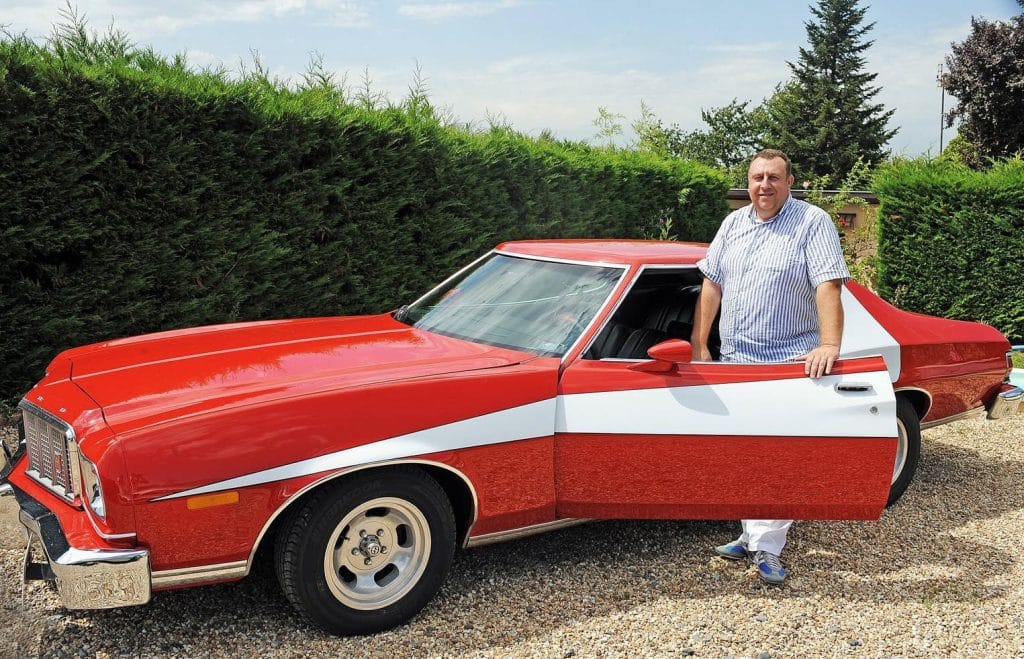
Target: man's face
column 768, row 186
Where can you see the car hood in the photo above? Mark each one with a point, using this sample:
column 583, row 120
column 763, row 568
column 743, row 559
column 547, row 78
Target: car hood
column 144, row 380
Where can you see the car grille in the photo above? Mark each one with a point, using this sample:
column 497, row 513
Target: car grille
column 52, row 452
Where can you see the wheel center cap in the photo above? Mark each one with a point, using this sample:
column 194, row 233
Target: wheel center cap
column 369, row 546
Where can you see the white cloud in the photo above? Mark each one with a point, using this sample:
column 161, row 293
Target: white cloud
column 201, row 59
column 347, row 14
column 144, row 19
column 562, row 93
column 436, row 12
column 907, row 75
column 752, row 49
column 534, row 89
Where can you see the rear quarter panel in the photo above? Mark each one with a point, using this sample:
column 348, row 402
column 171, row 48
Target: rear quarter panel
column 960, row 364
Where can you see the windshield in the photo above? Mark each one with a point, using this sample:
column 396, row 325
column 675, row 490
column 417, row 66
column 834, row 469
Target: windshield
column 540, row 307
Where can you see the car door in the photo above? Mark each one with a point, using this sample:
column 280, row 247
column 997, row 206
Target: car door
column 723, row 441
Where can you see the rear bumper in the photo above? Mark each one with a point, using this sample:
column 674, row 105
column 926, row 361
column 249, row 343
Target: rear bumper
column 1006, row 403
column 85, row 578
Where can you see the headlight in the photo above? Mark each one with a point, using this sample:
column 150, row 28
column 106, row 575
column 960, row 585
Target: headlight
column 93, row 493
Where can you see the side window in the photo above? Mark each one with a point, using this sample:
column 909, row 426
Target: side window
column 660, row 305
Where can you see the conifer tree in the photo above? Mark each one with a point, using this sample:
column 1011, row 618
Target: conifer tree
column 825, row 117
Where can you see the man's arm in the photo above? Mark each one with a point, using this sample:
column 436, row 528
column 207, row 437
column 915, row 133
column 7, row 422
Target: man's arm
column 819, row 361
column 707, row 306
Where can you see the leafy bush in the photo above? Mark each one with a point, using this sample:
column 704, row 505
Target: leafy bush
column 140, row 196
column 951, row 240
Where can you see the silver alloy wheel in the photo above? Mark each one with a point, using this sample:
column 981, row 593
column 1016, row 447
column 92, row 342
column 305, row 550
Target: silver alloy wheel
column 377, row 553
column 901, row 451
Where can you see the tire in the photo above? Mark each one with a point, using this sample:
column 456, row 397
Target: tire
column 367, row 553
column 908, row 449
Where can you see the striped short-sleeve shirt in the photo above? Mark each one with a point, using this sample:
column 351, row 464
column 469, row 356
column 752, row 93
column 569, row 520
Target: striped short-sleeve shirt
column 768, row 272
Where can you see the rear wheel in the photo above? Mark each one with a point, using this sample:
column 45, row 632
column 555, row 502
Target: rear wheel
column 908, row 449
column 368, row 553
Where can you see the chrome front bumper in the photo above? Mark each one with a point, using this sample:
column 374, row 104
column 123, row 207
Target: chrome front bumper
column 85, row 578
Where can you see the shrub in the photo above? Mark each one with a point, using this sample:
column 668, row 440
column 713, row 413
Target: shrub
column 951, row 240
column 141, row 196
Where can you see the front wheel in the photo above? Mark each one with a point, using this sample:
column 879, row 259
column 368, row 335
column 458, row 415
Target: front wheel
column 908, row 449
column 367, row 553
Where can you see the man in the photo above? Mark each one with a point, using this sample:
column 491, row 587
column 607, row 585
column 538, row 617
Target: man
column 776, row 270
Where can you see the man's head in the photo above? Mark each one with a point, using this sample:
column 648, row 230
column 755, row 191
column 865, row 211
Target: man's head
column 769, row 179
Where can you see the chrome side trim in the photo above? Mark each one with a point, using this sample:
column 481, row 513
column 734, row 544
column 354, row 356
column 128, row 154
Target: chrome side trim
column 455, row 274
column 555, row 259
column 574, row 350
column 199, row 574
column 969, row 414
column 349, row 470
column 523, row 532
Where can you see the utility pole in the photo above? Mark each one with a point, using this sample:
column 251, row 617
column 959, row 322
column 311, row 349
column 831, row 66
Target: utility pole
column 942, row 107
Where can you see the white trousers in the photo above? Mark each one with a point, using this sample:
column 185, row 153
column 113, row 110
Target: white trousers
column 765, row 534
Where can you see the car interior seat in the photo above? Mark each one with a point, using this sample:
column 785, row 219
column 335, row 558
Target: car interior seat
column 647, row 317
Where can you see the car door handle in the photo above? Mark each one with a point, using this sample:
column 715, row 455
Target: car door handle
column 853, row 386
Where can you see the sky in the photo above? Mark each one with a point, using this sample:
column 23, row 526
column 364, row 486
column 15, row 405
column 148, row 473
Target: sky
column 546, row 64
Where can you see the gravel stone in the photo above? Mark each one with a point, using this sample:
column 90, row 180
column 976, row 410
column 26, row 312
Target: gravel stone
column 938, row 575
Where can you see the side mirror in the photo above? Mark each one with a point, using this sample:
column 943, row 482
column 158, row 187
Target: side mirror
column 667, row 356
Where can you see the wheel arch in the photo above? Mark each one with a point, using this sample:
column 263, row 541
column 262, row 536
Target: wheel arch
column 456, row 485
column 920, row 399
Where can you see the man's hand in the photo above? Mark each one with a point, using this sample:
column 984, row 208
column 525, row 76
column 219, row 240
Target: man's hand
column 818, row 362
column 701, row 353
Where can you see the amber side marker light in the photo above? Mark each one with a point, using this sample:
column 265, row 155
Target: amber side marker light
column 210, row 500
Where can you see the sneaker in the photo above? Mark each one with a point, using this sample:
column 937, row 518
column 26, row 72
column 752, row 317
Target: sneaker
column 734, row 551
column 769, row 568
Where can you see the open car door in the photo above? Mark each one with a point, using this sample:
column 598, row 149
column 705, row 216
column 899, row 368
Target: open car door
column 670, row 438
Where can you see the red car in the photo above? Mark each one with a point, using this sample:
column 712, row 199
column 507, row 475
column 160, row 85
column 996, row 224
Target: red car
column 546, row 383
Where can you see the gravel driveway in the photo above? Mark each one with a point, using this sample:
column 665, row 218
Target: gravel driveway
column 942, row 573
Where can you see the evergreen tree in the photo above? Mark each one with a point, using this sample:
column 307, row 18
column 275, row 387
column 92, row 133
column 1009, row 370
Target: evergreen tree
column 986, row 75
column 824, row 117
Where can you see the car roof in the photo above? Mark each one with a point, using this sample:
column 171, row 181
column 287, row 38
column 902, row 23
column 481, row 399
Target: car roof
column 623, row 252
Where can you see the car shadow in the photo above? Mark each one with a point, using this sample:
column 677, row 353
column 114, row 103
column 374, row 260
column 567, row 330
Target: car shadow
column 923, row 549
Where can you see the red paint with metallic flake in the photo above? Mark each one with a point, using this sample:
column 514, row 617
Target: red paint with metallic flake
column 960, row 364
column 181, row 454
column 699, row 475
column 514, row 482
column 167, row 415
column 168, row 377
column 722, row 477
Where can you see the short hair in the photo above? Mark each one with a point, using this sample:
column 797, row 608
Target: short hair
column 770, row 154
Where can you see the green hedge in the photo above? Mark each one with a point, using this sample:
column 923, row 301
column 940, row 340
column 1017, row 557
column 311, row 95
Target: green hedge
column 139, row 196
column 951, row 241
